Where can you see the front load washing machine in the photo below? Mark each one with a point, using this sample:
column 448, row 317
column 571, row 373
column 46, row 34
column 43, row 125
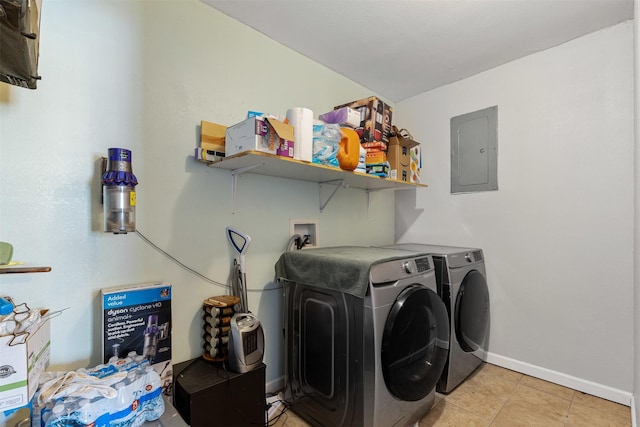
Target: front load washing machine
column 366, row 335
column 462, row 284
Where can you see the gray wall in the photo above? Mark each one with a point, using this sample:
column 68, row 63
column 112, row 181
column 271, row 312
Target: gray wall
column 558, row 234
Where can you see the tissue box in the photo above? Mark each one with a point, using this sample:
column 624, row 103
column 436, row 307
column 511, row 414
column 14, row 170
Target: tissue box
column 375, row 118
column 24, row 358
column 260, row 134
column 344, row 116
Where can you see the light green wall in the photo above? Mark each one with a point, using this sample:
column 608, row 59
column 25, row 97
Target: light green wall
column 142, row 75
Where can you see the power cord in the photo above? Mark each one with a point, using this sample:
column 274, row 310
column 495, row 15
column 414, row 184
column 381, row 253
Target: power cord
column 277, row 403
column 191, row 270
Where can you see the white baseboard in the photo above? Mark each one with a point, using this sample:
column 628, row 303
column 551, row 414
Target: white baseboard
column 275, row 386
column 585, row 386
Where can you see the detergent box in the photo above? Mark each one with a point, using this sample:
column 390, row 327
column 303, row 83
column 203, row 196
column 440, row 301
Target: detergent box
column 24, row 357
column 260, row 133
column 137, row 318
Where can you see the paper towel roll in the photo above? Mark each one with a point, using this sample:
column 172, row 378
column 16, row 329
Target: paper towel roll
column 302, row 121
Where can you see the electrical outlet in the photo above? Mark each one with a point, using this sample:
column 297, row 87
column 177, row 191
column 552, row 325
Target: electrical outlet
column 306, row 227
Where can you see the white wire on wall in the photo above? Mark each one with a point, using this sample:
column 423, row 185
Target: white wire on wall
column 196, row 273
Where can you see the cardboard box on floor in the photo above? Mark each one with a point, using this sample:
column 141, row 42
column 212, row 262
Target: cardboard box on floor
column 24, row 357
column 403, row 156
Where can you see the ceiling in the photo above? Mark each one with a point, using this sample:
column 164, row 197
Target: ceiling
column 400, row 48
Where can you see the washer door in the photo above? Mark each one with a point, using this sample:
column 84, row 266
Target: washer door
column 472, row 311
column 415, row 343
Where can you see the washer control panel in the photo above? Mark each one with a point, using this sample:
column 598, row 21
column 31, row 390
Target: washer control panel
column 423, row 264
column 398, row 269
column 461, row 259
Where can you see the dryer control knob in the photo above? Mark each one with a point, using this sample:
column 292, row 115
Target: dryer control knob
column 468, row 257
column 408, row 267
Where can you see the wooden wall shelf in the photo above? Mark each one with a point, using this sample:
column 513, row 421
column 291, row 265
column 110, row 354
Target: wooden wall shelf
column 23, row 269
column 284, row 167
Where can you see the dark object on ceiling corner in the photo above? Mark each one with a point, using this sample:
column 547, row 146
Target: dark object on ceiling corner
column 19, row 42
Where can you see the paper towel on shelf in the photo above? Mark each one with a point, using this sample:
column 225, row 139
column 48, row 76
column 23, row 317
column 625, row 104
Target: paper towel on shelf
column 302, row 121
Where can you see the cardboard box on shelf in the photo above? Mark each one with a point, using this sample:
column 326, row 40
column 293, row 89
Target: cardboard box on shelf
column 208, row 155
column 405, row 164
column 375, row 157
column 374, row 146
column 380, row 169
column 398, row 158
column 415, row 164
column 212, row 136
column 24, row 357
column 401, row 137
column 375, row 118
column 260, row 134
column 404, row 157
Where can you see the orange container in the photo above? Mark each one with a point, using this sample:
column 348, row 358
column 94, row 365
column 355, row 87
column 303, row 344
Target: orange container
column 349, row 149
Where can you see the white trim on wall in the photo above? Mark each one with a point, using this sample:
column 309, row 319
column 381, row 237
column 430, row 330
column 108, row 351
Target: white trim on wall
column 635, row 407
column 589, row 387
column 275, row 385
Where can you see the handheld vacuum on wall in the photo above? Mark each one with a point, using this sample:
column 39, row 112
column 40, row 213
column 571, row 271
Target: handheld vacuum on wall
column 246, row 338
column 119, row 193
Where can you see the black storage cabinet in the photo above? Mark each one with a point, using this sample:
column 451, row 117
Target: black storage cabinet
column 206, row 394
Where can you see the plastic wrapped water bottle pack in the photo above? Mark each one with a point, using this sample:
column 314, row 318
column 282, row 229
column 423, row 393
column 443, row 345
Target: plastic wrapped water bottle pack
column 123, row 393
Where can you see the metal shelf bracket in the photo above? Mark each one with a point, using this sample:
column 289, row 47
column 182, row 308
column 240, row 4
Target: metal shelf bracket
column 339, row 183
column 234, row 180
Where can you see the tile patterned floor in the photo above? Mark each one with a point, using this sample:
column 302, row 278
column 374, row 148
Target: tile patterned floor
column 497, row 397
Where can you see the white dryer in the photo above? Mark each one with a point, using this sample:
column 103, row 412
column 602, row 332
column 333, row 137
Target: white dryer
column 366, row 335
column 462, row 284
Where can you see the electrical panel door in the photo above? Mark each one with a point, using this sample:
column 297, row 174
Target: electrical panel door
column 474, row 151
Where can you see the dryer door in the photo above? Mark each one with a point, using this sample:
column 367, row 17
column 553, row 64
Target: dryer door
column 415, row 343
column 472, row 311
